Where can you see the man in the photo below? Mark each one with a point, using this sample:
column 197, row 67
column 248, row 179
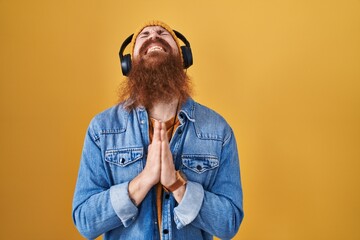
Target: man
column 134, row 183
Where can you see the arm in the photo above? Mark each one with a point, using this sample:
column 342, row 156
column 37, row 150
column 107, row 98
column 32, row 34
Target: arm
column 97, row 206
column 218, row 210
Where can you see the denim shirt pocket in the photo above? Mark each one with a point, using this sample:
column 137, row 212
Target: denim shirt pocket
column 200, row 168
column 124, row 163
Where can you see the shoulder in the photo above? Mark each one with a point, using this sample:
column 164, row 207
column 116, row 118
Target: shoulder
column 111, row 120
column 209, row 124
column 206, row 115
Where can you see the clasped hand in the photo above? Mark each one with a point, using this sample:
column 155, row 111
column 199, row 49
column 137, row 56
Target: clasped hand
column 159, row 164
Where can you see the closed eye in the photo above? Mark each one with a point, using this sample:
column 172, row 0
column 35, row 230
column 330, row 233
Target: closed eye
column 144, row 34
column 162, row 32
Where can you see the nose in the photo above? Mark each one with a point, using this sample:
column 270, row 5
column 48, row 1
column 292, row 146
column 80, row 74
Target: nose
column 154, row 34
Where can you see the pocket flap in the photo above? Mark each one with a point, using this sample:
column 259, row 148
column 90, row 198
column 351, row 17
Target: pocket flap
column 200, row 163
column 123, row 157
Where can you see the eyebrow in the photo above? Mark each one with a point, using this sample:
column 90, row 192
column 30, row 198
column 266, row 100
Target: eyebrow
column 145, row 33
column 158, row 31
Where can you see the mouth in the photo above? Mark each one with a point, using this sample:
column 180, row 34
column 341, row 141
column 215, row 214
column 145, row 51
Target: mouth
column 155, row 48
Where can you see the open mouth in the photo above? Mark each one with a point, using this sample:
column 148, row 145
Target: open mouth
column 155, row 49
column 154, row 46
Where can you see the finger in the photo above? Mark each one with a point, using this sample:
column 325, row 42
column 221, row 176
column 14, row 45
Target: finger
column 163, row 133
column 156, row 133
column 163, row 126
column 153, row 160
column 167, row 165
column 155, row 149
column 166, row 155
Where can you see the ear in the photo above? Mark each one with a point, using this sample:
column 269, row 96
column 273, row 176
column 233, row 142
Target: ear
column 185, row 50
column 126, row 64
column 187, row 56
column 125, row 61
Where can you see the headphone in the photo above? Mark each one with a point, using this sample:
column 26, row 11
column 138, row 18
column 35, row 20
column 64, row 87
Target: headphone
column 125, row 61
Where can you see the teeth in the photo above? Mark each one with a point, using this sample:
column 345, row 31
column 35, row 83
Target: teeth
column 155, row 48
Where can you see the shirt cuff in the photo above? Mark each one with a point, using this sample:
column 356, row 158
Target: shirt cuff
column 190, row 205
column 121, row 203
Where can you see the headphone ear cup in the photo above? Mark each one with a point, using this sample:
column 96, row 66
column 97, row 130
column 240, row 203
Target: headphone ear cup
column 126, row 64
column 187, row 56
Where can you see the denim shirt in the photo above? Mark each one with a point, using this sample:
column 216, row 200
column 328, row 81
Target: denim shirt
column 115, row 152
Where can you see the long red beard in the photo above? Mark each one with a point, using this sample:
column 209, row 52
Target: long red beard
column 160, row 78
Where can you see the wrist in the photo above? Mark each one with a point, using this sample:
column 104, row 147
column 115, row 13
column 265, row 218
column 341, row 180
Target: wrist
column 171, row 180
column 179, row 193
column 180, row 181
column 147, row 180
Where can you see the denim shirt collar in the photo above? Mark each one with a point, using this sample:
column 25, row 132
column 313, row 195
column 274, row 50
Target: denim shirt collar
column 187, row 110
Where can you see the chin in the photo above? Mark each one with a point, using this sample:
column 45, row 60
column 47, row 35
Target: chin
column 155, row 59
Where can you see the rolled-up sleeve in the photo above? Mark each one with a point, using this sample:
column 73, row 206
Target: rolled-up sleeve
column 190, row 205
column 122, row 204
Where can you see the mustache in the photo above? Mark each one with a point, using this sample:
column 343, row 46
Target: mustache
column 164, row 44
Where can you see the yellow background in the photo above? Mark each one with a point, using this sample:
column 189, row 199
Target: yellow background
column 284, row 73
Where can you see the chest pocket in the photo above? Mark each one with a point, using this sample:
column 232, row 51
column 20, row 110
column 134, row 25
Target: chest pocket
column 124, row 163
column 200, row 163
column 123, row 157
column 200, row 168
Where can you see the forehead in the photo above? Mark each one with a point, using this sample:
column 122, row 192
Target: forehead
column 150, row 29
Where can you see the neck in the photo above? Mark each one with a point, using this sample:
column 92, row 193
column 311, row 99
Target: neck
column 163, row 111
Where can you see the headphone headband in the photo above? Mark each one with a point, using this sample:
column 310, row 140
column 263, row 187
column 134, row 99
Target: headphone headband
column 182, row 38
column 126, row 61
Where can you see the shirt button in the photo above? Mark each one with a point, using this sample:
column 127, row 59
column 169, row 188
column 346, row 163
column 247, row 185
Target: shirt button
column 198, row 167
column 142, row 121
column 167, row 196
column 165, row 231
column 122, row 160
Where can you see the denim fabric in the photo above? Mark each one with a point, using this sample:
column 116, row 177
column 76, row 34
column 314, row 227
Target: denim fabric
column 115, row 151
